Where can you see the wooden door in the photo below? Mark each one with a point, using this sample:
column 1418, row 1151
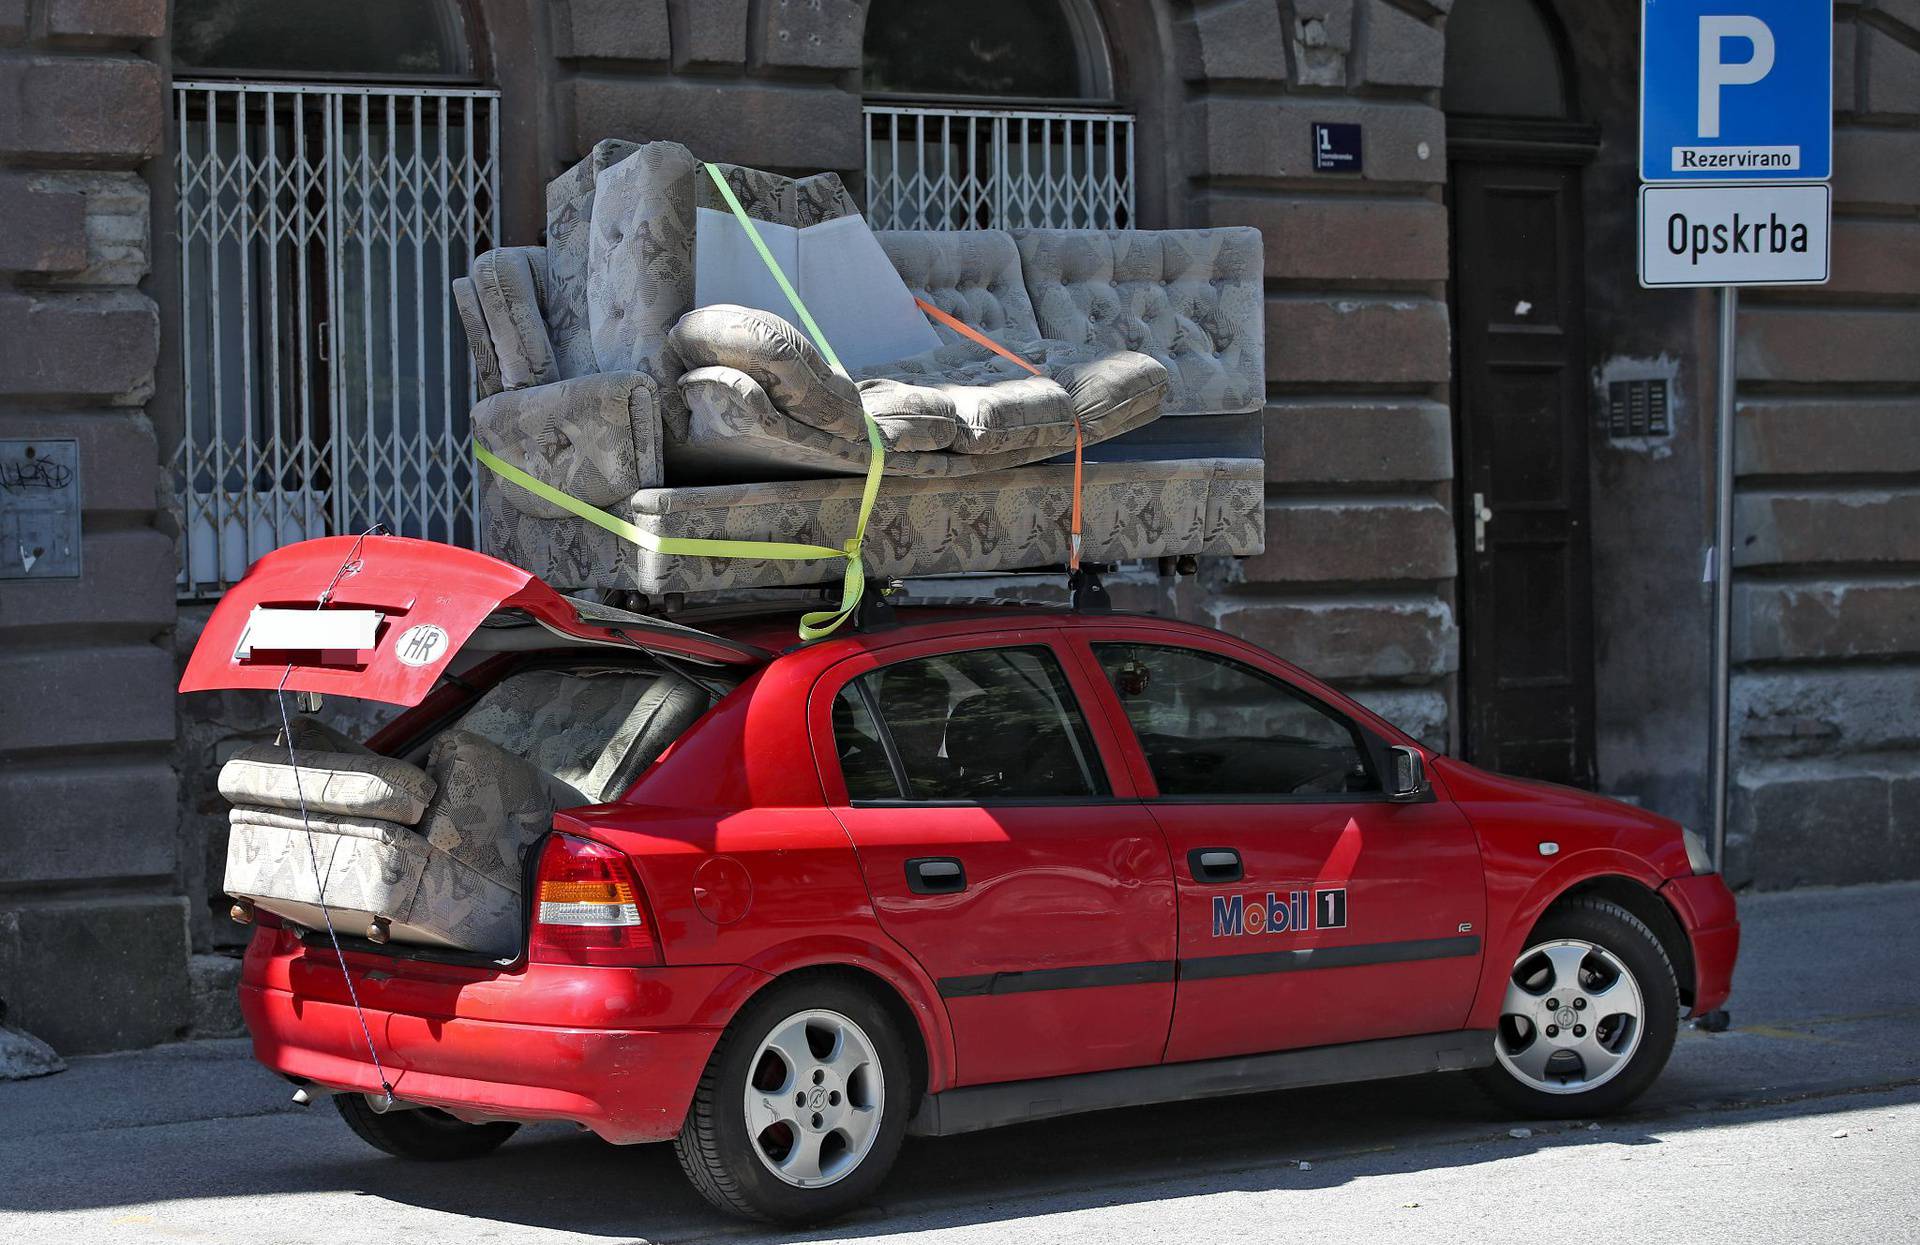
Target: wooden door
column 1520, row 403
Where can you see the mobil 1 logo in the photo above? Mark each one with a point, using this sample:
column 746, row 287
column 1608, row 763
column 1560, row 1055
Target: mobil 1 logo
column 1734, row 235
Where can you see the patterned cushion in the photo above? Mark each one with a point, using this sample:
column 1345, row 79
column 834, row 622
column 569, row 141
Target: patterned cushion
column 971, row 274
column 509, row 283
column 780, row 358
column 1003, row 520
column 491, row 805
column 581, row 726
column 350, row 784
column 596, row 437
column 569, row 217
column 486, row 364
column 1191, row 298
column 640, row 259
column 796, row 201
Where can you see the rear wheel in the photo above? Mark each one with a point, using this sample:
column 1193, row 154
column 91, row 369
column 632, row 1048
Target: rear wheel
column 420, row 1132
column 1589, row 1016
column 803, row 1106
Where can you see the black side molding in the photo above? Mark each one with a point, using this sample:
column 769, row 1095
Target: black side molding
column 976, row 1107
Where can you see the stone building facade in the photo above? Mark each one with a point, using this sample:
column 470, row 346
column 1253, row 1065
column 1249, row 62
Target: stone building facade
column 1459, row 356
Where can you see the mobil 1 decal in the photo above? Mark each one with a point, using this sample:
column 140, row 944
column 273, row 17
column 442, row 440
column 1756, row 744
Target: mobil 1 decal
column 1280, row 912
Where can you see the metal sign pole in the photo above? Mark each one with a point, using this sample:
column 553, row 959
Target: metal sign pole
column 1723, row 574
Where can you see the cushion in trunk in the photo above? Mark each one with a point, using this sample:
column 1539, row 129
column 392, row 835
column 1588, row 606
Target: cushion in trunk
column 349, row 784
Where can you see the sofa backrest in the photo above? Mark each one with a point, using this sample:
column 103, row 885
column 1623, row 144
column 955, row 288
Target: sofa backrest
column 569, row 218
column 972, row 275
column 1191, row 298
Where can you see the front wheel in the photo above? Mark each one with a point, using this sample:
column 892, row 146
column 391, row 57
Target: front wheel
column 1589, row 1017
column 802, row 1107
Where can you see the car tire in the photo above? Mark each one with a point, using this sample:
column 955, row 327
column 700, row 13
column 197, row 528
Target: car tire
column 1590, row 1014
column 803, row 1104
column 421, row 1132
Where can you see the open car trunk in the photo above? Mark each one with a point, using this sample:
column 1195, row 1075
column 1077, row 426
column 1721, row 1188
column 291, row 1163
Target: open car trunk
column 425, row 844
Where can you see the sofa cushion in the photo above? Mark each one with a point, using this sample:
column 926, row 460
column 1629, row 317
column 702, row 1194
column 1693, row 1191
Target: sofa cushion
column 779, row 357
column 510, row 283
column 639, row 270
column 569, row 217
column 348, row 784
column 971, row 274
column 1190, row 298
column 491, row 806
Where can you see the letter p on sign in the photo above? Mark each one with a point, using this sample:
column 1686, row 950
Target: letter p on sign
column 1717, row 72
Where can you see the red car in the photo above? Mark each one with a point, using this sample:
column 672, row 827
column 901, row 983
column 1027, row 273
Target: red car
column 956, row 869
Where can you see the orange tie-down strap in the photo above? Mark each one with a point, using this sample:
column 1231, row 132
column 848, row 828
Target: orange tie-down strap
column 1079, row 439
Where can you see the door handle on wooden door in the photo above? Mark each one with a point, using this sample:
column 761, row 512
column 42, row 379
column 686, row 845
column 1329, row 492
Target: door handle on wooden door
column 1481, row 517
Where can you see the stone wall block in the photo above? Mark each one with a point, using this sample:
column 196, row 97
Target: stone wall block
column 1817, row 830
column 714, row 33
column 765, row 126
column 88, row 822
column 1322, row 40
column 1874, row 166
column 1398, row 49
column 1345, row 239
column 102, row 345
column 1796, row 529
column 119, row 460
column 1846, row 78
column 1240, row 136
column 115, row 226
column 128, row 21
column 46, row 229
column 1780, row 714
column 1875, row 256
column 1240, row 40
column 104, row 697
column 13, row 20
column 96, row 109
column 1834, row 620
column 1354, row 541
column 126, row 582
column 1871, row 436
column 1889, row 74
column 1828, row 345
column 99, row 974
column 1371, row 639
column 1359, row 442
column 628, row 30
column 1357, row 340
column 815, row 34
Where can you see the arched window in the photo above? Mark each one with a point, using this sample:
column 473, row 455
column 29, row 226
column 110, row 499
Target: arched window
column 1505, row 59
column 1028, row 49
column 410, row 39
column 993, row 114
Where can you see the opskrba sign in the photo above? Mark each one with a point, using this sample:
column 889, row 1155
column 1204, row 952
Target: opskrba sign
column 1733, row 235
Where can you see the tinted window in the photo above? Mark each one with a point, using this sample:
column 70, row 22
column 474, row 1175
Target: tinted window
column 990, row 724
column 1213, row 727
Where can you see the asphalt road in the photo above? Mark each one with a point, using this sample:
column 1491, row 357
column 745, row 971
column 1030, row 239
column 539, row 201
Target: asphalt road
column 1801, row 1123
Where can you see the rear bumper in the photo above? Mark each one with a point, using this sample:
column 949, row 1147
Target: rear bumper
column 1706, row 910
column 619, row 1051
column 627, row 1085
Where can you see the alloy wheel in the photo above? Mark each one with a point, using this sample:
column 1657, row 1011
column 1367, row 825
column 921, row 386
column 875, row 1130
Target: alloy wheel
column 1572, row 1018
column 814, row 1097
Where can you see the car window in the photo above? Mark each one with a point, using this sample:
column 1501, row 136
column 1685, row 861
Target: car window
column 984, row 724
column 1213, row 727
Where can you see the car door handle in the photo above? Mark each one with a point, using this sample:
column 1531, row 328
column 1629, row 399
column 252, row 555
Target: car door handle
column 936, row 875
column 1215, row 864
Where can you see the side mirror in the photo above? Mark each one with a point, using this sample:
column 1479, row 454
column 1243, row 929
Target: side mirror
column 1409, row 776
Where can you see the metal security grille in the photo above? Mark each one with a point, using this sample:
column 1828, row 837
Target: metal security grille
column 992, row 168
column 327, row 383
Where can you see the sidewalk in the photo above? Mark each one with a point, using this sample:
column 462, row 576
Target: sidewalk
column 196, row 1142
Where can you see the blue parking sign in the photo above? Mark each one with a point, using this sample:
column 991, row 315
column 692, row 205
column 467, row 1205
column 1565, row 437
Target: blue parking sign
column 1736, row 90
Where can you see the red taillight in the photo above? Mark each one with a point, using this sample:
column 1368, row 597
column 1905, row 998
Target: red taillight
column 587, row 907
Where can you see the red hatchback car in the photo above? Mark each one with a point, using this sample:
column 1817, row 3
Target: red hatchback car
column 961, row 868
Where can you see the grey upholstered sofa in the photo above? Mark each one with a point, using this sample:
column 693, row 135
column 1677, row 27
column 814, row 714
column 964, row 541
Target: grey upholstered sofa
column 601, row 378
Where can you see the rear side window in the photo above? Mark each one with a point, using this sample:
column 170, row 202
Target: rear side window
column 974, row 726
column 1213, row 727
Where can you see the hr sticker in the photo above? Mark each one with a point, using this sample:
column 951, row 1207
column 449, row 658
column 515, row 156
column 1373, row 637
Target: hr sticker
column 421, row 645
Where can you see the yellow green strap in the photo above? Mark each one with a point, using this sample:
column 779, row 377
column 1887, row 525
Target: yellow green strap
column 813, row 625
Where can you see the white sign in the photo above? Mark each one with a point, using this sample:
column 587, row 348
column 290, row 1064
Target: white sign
column 1734, row 235
column 307, row 630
